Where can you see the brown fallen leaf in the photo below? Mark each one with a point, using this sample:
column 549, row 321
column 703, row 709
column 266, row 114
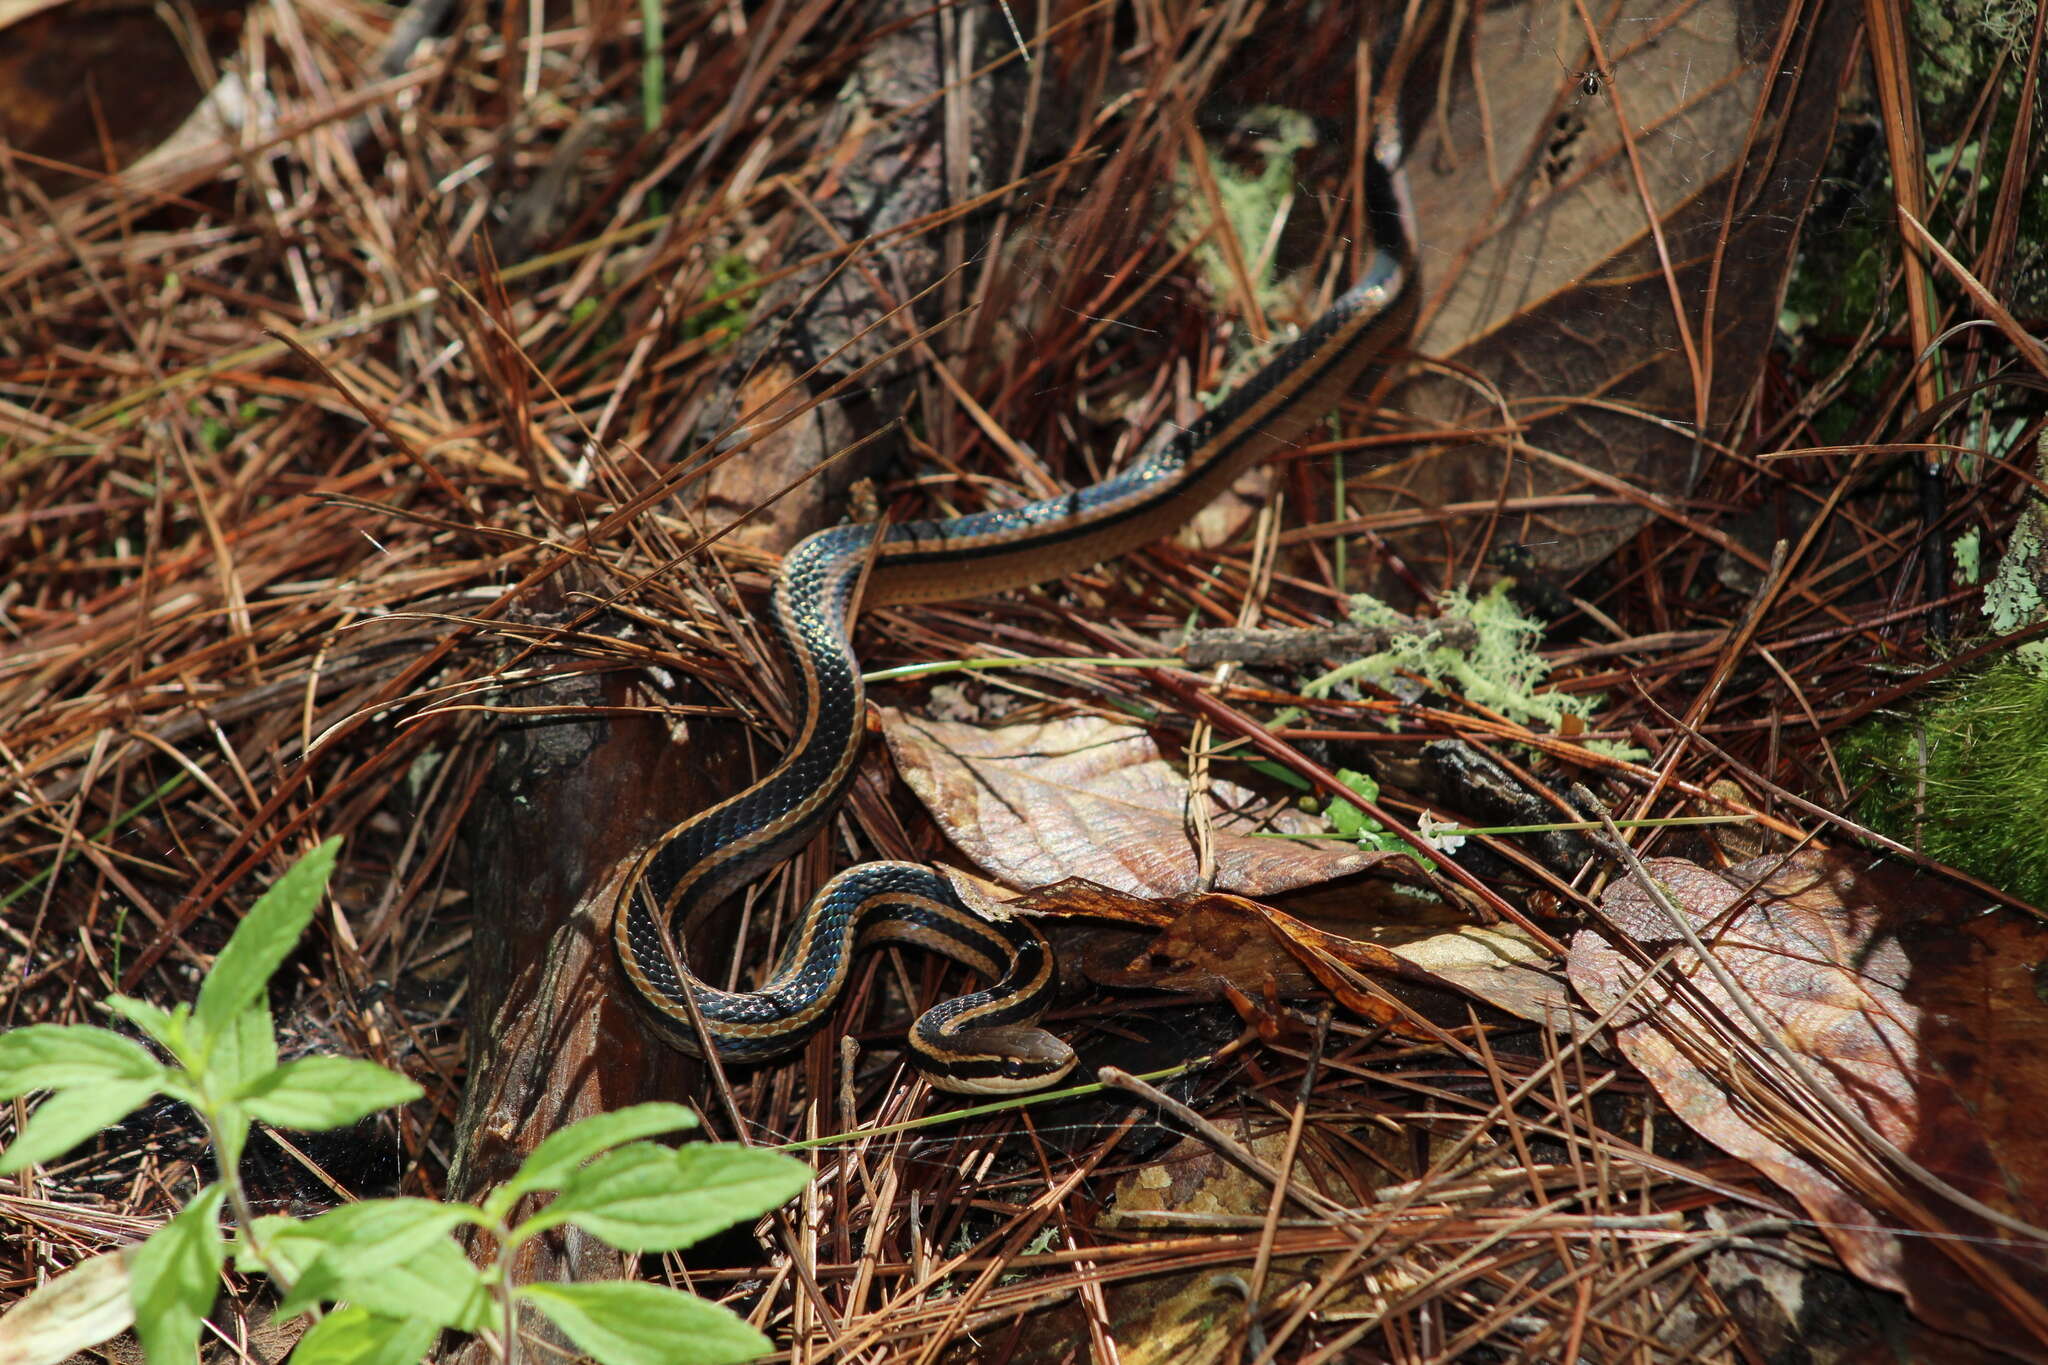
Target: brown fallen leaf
column 1548, row 294
column 1496, row 963
column 1090, row 798
column 1906, row 1001
column 1213, row 944
column 85, row 81
column 1199, row 1316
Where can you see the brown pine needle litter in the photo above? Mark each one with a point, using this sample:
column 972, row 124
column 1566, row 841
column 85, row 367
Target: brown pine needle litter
column 444, row 388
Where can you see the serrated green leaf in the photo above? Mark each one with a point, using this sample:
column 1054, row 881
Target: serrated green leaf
column 382, row 1230
column 172, row 1280
column 440, row 1285
column 159, row 1023
column 274, row 1231
column 325, row 1092
column 55, row 1056
column 357, row 1336
column 74, row 1312
column 69, row 1117
column 557, row 1158
column 649, row 1198
column 620, row 1322
column 437, row 1284
column 263, row 940
column 359, row 1243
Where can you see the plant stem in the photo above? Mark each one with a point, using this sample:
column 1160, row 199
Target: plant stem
column 502, row 1287
column 230, row 1174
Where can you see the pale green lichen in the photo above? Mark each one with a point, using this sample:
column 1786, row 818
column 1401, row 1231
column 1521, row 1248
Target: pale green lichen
column 1958, row 37
column 1501, row 671
column 1968, row 552
column 1250, row 203
column 2014, row 597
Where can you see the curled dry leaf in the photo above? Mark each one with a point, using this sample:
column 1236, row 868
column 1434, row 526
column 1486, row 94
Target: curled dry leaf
column 1912, row 1003
column 1500, row 964
column 1217, row 943
column 74, row 1312
column 1088, row 810
column 1091, row 798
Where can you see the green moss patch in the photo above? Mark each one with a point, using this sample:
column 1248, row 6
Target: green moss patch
column 1965, row 779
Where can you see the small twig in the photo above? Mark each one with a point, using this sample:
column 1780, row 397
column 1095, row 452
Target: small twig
column 1307, row 644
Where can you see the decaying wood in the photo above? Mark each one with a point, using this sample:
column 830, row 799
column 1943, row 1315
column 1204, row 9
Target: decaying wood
column 553, row 1033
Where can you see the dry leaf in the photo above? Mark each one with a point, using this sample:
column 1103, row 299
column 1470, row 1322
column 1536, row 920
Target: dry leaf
column 1089, row 798
column 1910, row 1004
column 1544, row 286
column 74, row 1312
column 1213, row 943
column 83, row 79
column 1497, row 963
column 1199, row 1316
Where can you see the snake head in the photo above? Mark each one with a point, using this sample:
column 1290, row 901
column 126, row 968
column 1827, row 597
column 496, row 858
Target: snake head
column 1003, row 1061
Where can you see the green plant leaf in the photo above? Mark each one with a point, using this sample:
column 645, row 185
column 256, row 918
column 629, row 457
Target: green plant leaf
column 1347, row 819
column 620, row 1322
column 69, row 1117
column 53, row 1056
column 160, row 1024
column 357, row 1336
column 557, row 1158
column 325, row 1092
column 74, row 1312
column 263, row 940
column 439, row 1285
column 274, row 1230
column 650, row 1198
column 243, row 1052
column 436, row 1284
column 359, row 1243
column 172, row 1280
column 231, row 1129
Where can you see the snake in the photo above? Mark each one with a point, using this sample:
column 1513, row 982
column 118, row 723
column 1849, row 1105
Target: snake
column 987, row 1042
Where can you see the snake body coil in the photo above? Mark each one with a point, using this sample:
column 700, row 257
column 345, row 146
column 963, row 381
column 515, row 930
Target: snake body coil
column 982, row 1043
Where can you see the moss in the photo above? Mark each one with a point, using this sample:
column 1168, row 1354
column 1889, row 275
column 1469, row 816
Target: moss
column 1965, row 778
column 731, row 271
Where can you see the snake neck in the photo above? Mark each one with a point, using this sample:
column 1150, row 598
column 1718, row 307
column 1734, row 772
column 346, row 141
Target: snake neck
column 712, row 854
